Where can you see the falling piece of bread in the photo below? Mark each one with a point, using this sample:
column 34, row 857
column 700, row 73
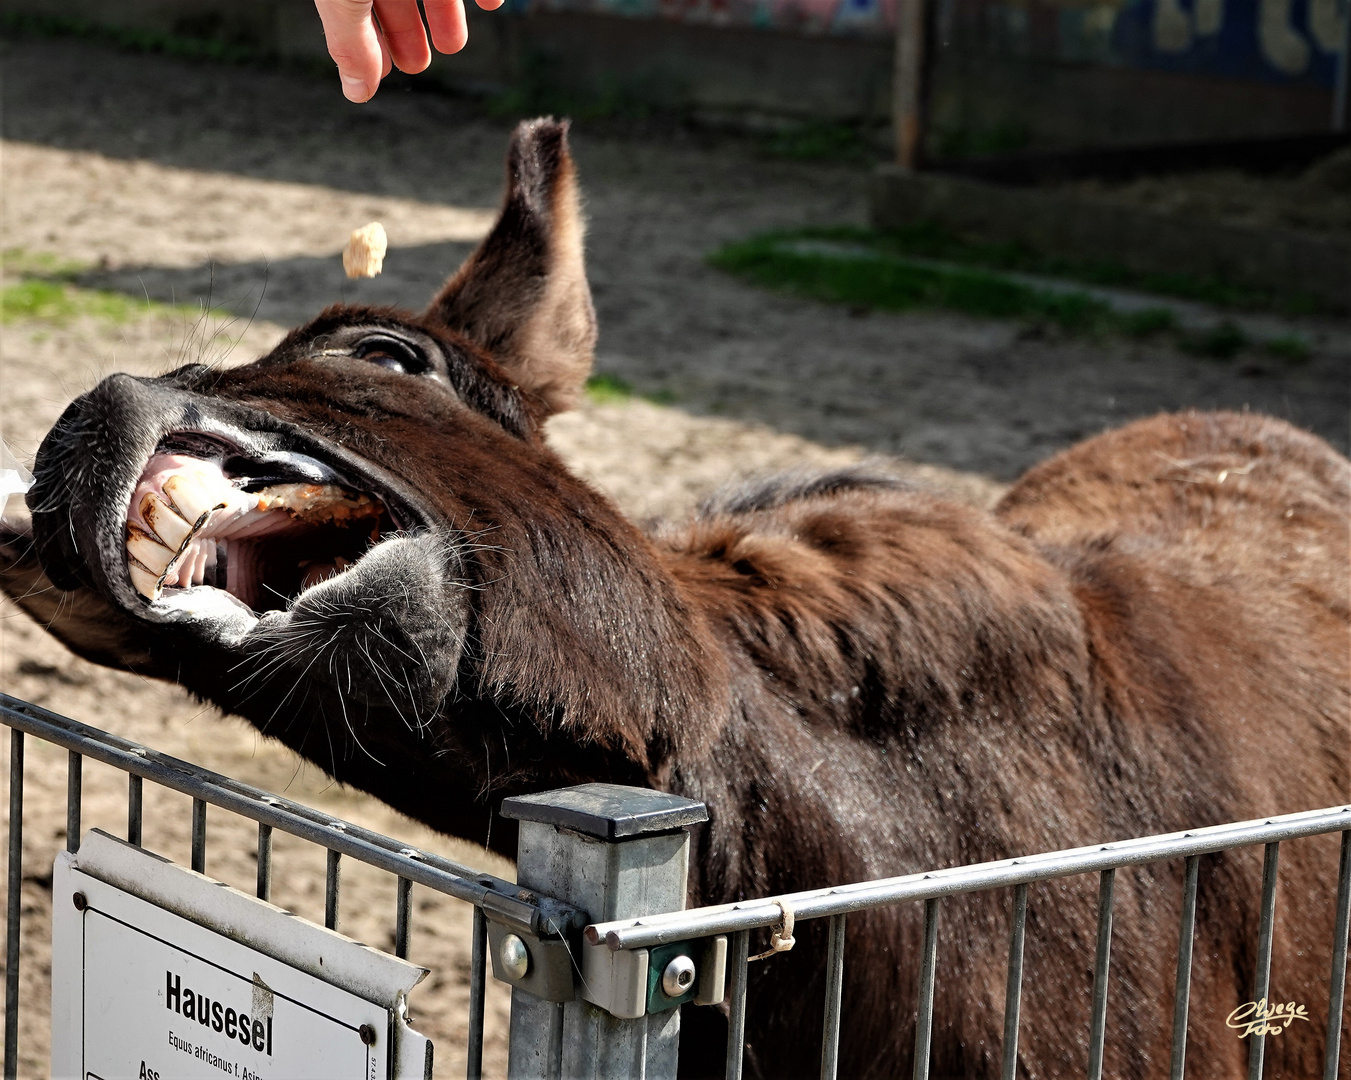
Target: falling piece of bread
column 364, row 255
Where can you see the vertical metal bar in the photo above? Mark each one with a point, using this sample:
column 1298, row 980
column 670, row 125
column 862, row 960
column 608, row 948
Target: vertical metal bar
column 74, row 796
column 1257, row 1051
column 331, row 890
column 1101, row 964
column 1013, row 994
column 1182, row 987
column 199, row 835
column 1262, row 981
column 401, row 906
column 478, row 968
column 924, row 1017
column 135, row 793
column 830, row 1042
column 13, row 904
column 736, row 1018
column 1337, row 992
column 264, row 861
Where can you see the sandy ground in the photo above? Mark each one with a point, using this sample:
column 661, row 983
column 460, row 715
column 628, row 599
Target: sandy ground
column 1316, row 199
column 988, row 397
column 172, row 181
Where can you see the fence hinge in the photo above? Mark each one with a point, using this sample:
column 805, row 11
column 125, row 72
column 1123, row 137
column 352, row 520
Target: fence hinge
column 527, row 913
column 542, row 966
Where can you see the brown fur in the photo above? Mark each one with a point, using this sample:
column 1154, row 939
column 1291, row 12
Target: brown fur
column 1149, row 633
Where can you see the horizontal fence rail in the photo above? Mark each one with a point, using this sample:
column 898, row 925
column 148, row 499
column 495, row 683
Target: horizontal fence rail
column 489, row 894
column 650, row 930
column 836, row 903
column 493, row 894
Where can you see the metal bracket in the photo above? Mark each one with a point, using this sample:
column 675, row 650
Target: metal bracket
column 627, row 983
column 543, row 967
column 668, row 968
column 615, row 980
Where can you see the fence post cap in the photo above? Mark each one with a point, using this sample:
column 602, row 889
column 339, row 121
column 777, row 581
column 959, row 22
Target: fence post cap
column 607, row 811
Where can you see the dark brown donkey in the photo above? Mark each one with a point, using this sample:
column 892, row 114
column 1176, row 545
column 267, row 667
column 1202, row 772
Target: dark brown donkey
column 362, row 544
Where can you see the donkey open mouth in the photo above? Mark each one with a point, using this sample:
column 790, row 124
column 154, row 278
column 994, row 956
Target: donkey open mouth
column 262, row 530
column 362, row 544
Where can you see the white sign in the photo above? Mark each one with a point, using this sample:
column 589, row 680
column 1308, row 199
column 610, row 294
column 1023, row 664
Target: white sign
column 161, row 974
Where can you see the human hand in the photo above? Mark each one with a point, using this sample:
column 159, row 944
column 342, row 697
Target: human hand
column 366, row 38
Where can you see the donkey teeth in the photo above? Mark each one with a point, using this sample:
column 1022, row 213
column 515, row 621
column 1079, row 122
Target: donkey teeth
column 145, row 583
column 192, row 498
column 164, row 522
column 147, row 550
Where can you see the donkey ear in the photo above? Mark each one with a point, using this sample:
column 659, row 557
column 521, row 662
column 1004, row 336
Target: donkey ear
column 523, row 294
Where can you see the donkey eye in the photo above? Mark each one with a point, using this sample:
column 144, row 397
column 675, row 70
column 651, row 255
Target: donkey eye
column 391, row 353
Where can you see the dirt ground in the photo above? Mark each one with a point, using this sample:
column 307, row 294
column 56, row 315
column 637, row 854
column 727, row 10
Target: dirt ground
column 1316, row 199
column 173, row 181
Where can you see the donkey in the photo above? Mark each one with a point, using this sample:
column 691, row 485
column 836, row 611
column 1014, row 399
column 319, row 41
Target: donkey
column 362, row 544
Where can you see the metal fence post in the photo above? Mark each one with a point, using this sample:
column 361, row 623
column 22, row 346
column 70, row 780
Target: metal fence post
column 614, row 852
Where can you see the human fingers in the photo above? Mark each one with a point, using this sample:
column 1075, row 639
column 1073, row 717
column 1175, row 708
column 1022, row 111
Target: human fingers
column 403, row 33
column 352, row 42
column 386, row 64
column 490, row 5
column 445, row 19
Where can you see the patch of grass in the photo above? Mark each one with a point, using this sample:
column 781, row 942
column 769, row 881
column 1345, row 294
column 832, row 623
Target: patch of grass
column 1222, row 342
column 894, row 285
column 48, row 290
column 199, row 38
column 543, row 86
column 925, row 275
column 1148, row 322
column 24, row 263
column 609, row 102
column 820, row 141
column 967, row 142
column 930, row 240
column 606, row 389
column 1291, row 348
column 55, row 301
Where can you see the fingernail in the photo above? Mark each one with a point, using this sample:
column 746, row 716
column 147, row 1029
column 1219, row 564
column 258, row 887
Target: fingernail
column 354, row 89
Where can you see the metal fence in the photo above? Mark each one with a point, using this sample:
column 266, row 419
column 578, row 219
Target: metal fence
column 620, row 920
column 492, row 897
column 739, row 919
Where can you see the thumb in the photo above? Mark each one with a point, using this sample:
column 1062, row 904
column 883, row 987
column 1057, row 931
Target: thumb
column 350, row 32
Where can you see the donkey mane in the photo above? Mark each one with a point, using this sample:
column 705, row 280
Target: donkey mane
column 861, row 679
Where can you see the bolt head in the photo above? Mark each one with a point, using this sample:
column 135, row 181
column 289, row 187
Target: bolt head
column 80, row 901
column 678, row 977
column 367, row 1033
column 515, row 957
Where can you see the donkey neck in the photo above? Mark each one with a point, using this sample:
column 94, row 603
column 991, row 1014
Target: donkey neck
column 868, row 634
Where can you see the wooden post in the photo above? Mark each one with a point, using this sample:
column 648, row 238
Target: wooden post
column 908, row 90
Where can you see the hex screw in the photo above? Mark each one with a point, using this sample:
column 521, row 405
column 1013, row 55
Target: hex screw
column 367, row 1034
column 80, row 901
column 678, row 977
column 515, row 957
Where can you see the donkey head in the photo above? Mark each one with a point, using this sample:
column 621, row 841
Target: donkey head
column 363, row 528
